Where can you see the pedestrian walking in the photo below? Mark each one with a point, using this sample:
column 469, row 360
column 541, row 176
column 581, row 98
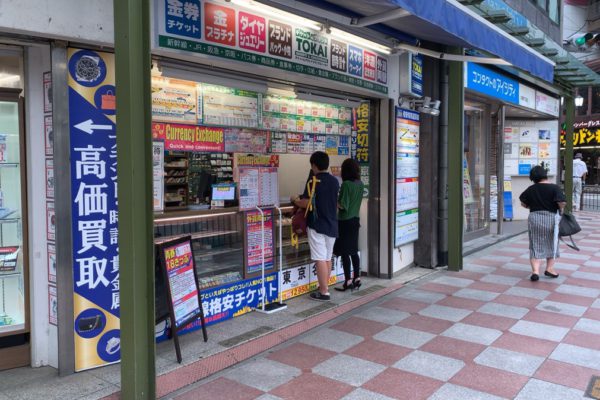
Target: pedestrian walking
column 322, row 222
column 349, row 202
column 579, row 174
column 545, row 202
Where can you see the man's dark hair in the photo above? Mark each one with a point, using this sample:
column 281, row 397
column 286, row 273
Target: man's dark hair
column 320, row 160
column 350, row 170
column 538, row 174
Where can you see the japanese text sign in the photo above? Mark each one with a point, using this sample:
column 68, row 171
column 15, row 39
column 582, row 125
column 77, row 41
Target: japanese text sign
column 254, row 244
column 491, row 83
column 241, row 33
column 94, row 210
column 178, row 261
column 182, row 17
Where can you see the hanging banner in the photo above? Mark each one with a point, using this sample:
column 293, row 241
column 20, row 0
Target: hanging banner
column 94, row 210
column 407, row 176
column 360, row 142
column 209, row 28
column 158, row 176
column 178, row 137
column 254, row 244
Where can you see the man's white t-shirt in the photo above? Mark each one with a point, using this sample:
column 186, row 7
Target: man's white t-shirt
column 579, row 168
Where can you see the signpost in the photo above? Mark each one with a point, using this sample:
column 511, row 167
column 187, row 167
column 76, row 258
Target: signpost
column 183, row 294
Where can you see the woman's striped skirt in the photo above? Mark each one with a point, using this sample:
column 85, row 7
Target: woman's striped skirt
column 543, row 242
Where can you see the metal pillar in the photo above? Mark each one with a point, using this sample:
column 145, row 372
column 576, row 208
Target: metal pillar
column 455, row 162
column 134, row 157
column 500, row 169
column 568, row 157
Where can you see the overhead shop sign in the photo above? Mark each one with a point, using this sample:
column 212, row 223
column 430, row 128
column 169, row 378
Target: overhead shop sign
column 222, row 30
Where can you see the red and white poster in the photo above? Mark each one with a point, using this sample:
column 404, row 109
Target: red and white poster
column 370, row 65
column 179, row 262
column 179, row 137
column 50, row 221
column 52, row 305
column 48, row 135
column 254, row 241
column 252, row 32
column 49, row 178
column 219, row 24
column 51, row 254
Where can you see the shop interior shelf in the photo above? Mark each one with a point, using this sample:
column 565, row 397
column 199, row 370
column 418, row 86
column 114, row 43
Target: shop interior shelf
column 5, row 165
column 198, row 235
column 9, row 274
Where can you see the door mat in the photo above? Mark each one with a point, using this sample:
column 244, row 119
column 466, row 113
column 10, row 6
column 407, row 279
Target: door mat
column 593, row 389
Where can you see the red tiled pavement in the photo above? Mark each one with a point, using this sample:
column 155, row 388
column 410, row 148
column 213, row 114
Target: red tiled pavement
column 378, row 352
column 301, row 355
column 439, row 288
column 400, row 304
column 425, row 324
column 489, row 287
column 460, row 302
column 517, row 301
column 360, row 326
column 312, row 386
column 525, row 344
column 592, row 313
column 221, row 388
column 453, row 348
column 570, row 299
column 583, row 339
column 550, row 318
column 489, row 321
column 566, row 374
column 403, row 385
column 490, row 380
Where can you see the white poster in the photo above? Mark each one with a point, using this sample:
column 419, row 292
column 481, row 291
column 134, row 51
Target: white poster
column 158, row 175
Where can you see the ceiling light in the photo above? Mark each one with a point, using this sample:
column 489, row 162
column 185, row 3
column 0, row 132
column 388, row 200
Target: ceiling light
column 342, row 35
column 278, row 14
column 578, row 101
column 281, row 92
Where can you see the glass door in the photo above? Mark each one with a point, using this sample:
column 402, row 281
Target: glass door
column 13, row 291
column 476, row 170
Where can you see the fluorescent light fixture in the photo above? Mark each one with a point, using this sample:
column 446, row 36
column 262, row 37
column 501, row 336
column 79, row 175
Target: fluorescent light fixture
column 281, row 92
column 278, row 14
column 9, row 79
column 342, row 35
column 578, row 101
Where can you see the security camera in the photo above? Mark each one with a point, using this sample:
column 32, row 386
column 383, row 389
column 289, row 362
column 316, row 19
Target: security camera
column 429, row 107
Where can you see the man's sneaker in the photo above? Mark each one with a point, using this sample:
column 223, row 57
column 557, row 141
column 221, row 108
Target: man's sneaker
column 319, row 296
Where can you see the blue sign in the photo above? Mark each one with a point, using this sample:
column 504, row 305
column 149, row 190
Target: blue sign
column 416, row 75
column 524, row 169
column 355, row 61
column 182, row 17
column 233, row 299
column 491, row 83
column 93, row 154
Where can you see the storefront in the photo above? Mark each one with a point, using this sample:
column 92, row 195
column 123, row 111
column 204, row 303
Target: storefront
column 509, row 128
column 586, row 140
column 231, row 145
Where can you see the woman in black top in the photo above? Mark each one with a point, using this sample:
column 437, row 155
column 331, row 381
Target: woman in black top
column 544, row 201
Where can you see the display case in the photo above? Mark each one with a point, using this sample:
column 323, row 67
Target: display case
column 293, row 255
column 217, row 240
column 13, row 268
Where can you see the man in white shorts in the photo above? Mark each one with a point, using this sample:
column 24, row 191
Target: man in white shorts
column 322, row 223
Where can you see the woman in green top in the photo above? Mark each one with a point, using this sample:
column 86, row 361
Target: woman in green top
column 349, row 201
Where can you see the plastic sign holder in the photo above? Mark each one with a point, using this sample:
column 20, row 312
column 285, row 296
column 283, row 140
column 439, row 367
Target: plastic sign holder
column 182, row 289
column 271, row 308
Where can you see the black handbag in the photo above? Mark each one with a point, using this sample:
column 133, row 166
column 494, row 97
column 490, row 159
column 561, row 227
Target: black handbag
column 568, row 226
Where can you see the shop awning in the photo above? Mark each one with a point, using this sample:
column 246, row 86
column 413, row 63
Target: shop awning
column 479, row 33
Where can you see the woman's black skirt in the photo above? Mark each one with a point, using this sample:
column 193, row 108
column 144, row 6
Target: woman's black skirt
column 347, row 241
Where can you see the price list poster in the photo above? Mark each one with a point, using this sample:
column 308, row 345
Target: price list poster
column 406, row 216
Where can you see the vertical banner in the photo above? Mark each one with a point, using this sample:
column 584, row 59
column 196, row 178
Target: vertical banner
column 254, row 229
column 360, row 142
column 158, row 176
column 406, row 219
column 96, row 301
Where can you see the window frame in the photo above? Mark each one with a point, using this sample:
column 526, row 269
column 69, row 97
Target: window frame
column 546, row 10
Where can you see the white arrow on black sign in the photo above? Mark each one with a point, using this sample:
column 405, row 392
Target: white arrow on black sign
column 89, row 127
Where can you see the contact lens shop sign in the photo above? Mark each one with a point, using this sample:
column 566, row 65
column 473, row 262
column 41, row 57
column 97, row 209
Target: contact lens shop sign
column 236, row 32
column 96, row 301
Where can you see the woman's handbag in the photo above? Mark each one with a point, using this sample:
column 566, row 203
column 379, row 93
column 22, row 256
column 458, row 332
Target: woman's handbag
column 568, row 226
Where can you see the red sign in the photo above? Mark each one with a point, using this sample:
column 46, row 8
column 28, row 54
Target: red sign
column 252, row 32
column 219, row 24
column 370, row 65
column 179, row 137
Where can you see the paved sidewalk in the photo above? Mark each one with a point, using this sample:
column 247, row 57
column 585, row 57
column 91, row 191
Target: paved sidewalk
column 484, row 333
